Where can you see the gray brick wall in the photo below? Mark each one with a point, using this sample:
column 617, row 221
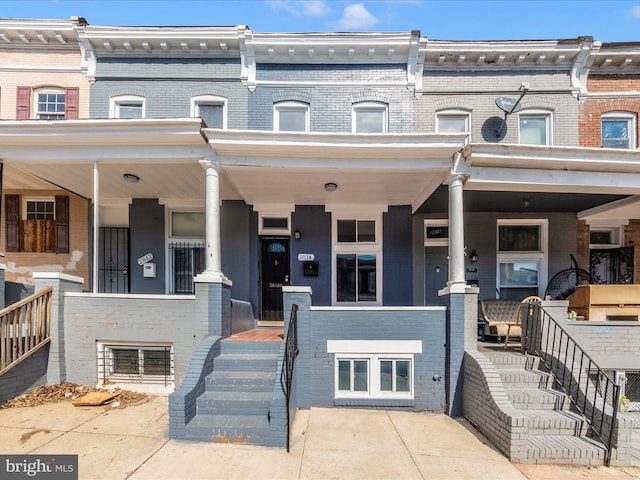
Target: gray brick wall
column 612, row 345
column 24, row 377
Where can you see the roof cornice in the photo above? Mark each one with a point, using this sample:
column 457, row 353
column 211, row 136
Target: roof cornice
column 17, row 33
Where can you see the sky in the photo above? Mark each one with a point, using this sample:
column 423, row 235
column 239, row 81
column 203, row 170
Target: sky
column 605, row 20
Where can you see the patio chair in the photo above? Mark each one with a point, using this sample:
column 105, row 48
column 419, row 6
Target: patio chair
column 517, row 322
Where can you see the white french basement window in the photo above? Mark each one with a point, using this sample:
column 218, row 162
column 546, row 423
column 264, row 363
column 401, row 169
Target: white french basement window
column 128, row 363
column 374, row 369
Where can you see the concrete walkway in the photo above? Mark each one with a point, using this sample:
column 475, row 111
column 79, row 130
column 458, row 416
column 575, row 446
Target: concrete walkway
column 326, row 444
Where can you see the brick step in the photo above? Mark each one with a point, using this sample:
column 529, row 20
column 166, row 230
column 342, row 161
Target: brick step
column 234, row 403
column 250, row 347
column 253, row 362
column 240, row 381
column 551, row 423
column 564, row 450
column 518, row 377
column 244, row 429
column 537, row 399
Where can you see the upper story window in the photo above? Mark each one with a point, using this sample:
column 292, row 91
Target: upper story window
column 452, row 121
column 535, row 128
column 291, row 117
column 618, row 130
column 127, row 106
column 212, row 109
column 369, row 117
column 50, row 104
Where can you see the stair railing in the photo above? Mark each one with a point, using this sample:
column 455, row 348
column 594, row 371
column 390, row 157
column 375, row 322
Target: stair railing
column 25, row 327
column 291, row 352
column 592, row 391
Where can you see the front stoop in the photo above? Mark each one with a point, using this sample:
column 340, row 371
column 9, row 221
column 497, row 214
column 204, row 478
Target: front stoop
column 555, row 433
column 234, row 408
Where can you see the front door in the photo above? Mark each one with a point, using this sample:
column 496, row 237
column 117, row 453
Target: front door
column 113, row 260
column 274, row 274
column 436, row 268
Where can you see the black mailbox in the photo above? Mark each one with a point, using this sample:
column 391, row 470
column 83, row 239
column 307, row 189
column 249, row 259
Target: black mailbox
column 310, row 269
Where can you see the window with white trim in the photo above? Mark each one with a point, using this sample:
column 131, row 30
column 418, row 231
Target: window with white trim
column 369, row 117
column 291, row 117
column 535, row 128
column 50, row 104
column 127, row 106
column 618, row 130
column 128, row 362
column 211, row 108
column 605, row 236
column 521, row 258
column 453, row 121
column 436, row 233
column 357, row 269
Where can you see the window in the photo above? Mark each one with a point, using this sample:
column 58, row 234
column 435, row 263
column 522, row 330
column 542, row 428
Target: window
column 187, row 252
column 130, row 363
column 605, row 235
column 188, row 224
column 522, row 246
column 370, row 117
column 291, row 117
column 126, row 106
column 618, row 130
column 436, row 233
column 357, row 253
column 50, row 104
column 452, row 121
column 535, row 128
column 212, row 110
column 39, row 225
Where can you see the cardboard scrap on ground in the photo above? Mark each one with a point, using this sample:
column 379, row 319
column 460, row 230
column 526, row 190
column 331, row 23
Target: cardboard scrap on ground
column 94, row 399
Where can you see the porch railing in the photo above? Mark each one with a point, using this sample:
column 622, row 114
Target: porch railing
column 593, row 391
column 291, row 352
column 24, row 328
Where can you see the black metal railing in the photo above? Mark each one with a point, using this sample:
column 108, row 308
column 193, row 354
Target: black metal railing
column 593, row 391
column 291, row 352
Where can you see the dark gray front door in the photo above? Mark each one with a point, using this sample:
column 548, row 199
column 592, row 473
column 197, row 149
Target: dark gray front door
column 274, row 274
column 113, row 260
column 436, row 273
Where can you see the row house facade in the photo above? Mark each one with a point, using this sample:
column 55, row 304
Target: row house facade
column 382, row 182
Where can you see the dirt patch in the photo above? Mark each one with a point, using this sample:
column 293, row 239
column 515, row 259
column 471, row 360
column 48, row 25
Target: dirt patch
column 68, row 392
column 26, row 436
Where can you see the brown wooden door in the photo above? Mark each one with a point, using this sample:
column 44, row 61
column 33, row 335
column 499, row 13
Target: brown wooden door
column 275, row 273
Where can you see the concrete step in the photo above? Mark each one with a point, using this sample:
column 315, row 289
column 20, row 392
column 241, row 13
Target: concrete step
column 253, row 362
column 250, row 347
column 240, row 381
column 524, row 398
column 564, row 450
column 521, row 378
column 555, row 423
column 244, row 429
column 234, row 403
column 513, row 360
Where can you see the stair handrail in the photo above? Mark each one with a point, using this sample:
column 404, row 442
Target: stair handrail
column 547, row 339
column 25, row 327
column 291, row 352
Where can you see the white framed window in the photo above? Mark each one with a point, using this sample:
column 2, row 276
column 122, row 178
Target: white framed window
column 521, row 258
column 453, row 121
column 357, row 260
column 535, row 127
column 369, row 117
column 605, row 235
column 187, row 224
column 41, row 208
column 129, row 363
column 127, row 106
column 374, row 369
column 436, row 233
column 618, row 130
column 291, row 117
column 211, row 108
column 49, row 104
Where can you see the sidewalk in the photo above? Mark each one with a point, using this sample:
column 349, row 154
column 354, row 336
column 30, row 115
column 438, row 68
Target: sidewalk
column 326, row 443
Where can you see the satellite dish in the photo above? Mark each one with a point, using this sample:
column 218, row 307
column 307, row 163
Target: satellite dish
column 509, row 105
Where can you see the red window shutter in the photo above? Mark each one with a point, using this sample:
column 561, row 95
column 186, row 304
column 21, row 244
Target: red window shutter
column 12, row 223
column 62, row 224
column 23, row 102
column 71, row 101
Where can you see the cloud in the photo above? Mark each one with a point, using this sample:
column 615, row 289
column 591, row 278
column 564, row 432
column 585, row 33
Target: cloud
column 356, row 17
column 635, row 12
column 302, row 8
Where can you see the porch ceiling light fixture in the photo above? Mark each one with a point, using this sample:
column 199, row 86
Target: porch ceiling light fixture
column 130, row 177
column 330, row 187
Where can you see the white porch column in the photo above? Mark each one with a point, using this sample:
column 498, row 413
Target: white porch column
column 456, row 231
column 213, row 250
column 96, row 224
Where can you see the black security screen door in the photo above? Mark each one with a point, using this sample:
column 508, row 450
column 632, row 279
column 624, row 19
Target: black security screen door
column 113, row 260
column 274, row 274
